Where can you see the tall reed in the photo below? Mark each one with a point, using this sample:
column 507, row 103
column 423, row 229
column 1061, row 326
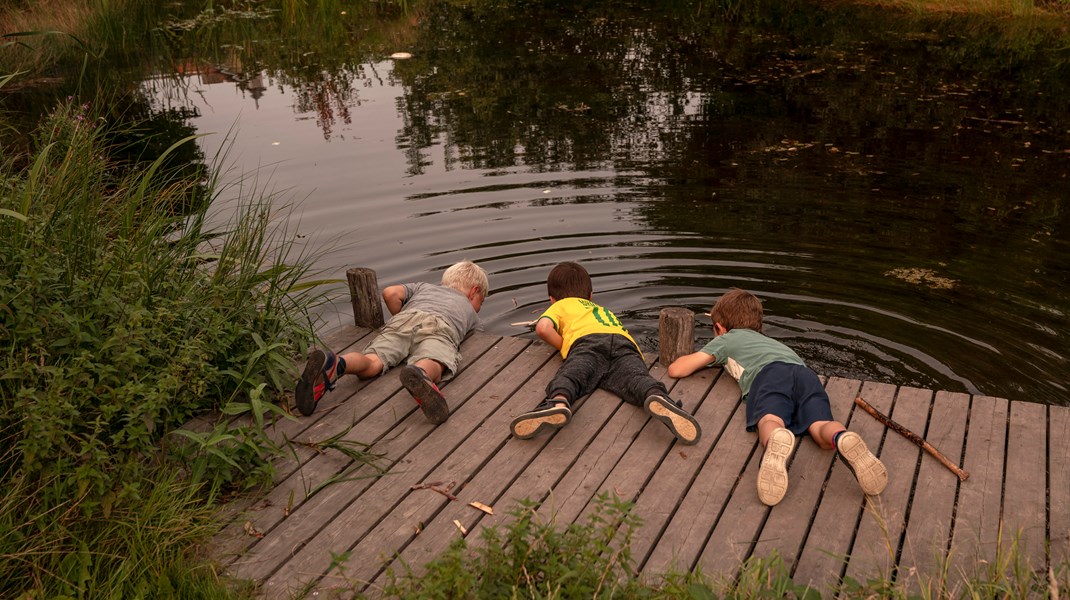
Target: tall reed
column 124, row 314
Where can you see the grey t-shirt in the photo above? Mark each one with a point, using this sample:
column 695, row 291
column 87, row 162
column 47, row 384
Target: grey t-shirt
column 446, row 302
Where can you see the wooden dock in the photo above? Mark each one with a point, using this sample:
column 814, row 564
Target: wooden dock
column 698, row 503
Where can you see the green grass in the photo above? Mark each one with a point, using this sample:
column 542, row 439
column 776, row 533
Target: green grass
column 124, row 313
column 529, row 558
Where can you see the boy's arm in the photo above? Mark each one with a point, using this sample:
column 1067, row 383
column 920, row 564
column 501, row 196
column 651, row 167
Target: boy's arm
column 544, row 328
column 689, row 363
column 394, row 296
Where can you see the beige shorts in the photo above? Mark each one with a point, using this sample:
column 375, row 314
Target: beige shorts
column 412, row 336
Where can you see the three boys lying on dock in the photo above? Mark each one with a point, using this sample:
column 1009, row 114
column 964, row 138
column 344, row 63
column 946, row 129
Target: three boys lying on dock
column 429, row 323
column 599, row 354
column 784, row 397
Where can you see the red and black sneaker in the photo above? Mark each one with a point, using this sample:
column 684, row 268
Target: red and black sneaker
column 321, row 371
column 426, row 394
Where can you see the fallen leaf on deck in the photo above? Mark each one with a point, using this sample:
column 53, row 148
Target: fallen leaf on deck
column 482, row 507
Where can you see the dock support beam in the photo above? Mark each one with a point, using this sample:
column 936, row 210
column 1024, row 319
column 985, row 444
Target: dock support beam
column 676, row 334
column 364, row 294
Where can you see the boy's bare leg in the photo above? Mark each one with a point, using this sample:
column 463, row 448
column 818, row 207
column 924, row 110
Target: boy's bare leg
column 824, row 432
column 364, row 366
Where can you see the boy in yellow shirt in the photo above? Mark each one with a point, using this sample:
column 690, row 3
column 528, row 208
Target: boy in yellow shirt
column 599, row 354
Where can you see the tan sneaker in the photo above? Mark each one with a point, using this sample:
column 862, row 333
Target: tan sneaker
column 773, row 474
column 546, row 416
column 679, row 421
column 867, row 468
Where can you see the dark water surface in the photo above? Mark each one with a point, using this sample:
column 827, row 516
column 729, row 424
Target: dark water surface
column 895, row 191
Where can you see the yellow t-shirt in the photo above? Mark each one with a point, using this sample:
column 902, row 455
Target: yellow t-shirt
column 574, row 318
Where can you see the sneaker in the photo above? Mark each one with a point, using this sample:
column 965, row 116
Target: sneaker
column 773, row 474
column 321, row 371
column 671, row 413
column 426, row 394
column 867, row 469
column 547, row 415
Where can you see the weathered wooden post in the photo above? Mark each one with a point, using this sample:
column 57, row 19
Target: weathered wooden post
column 364, row 294
column 676, row 334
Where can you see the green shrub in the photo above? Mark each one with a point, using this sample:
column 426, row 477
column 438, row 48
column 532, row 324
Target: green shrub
column 123, row 317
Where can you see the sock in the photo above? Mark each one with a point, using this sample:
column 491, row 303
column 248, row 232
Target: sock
column 341, row 369
column 836, row 439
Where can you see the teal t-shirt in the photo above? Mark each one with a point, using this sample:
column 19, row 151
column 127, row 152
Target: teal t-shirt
column 743, row 353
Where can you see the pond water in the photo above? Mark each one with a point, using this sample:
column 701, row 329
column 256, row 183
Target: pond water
column 894, row 190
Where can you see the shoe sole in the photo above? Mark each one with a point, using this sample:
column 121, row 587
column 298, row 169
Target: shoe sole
column 305, row 392
column 528, row 425
column 868, row 469
column 773, row 474
column 431, row 401
column 680, row 423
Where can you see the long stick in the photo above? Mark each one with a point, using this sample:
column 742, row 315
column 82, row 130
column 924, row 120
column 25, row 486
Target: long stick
column 910, row 435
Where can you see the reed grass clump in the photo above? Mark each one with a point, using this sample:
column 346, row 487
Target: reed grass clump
column 123, row 314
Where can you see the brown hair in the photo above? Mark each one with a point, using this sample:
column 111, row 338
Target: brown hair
column 738, row 309
column 569, row 280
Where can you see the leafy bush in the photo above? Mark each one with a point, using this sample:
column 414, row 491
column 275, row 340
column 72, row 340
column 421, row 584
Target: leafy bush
column 123, row 317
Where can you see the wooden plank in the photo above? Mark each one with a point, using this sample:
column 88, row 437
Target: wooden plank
column 822, row 558
column 1059, row 493
column 642, row 459
column 491, row 482
column 1026, row 491
column 685, row 536
column 557, row 457
column 333, row 519
column 876, row 545
column 748, row 521
column 669, row 484
column 404, row 524
column 380, row 406
column 925, row 545
column 788, row 526
column 975, row 540
column 585, row 477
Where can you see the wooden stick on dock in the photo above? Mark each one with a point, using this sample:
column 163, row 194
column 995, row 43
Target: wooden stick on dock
column 910, row 435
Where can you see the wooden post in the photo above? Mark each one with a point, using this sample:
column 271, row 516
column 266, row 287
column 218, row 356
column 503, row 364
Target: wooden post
column 364, row 293
column 676, row 334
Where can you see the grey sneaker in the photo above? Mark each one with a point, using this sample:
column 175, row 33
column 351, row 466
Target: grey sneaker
column 773, row 474
column 546, row 416
column 679, row 421
column 868, row 469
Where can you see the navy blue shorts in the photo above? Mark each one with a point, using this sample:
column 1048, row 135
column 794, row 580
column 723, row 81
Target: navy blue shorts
column 791, row 392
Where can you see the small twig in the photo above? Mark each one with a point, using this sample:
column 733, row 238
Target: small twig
column 437, row 487
column 910, row 435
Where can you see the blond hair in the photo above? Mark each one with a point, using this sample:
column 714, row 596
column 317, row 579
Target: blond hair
column 465, row 275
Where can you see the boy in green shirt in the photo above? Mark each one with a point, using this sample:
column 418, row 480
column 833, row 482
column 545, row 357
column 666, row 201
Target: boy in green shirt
column 784, row 397
column 599, row 354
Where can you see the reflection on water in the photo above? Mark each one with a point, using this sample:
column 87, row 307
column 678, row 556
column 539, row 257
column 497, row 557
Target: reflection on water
column 901, row 214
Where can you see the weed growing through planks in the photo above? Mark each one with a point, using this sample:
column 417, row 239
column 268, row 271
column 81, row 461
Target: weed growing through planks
column 531, row 558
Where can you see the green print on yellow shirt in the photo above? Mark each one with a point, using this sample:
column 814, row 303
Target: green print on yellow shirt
column 576, row 317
